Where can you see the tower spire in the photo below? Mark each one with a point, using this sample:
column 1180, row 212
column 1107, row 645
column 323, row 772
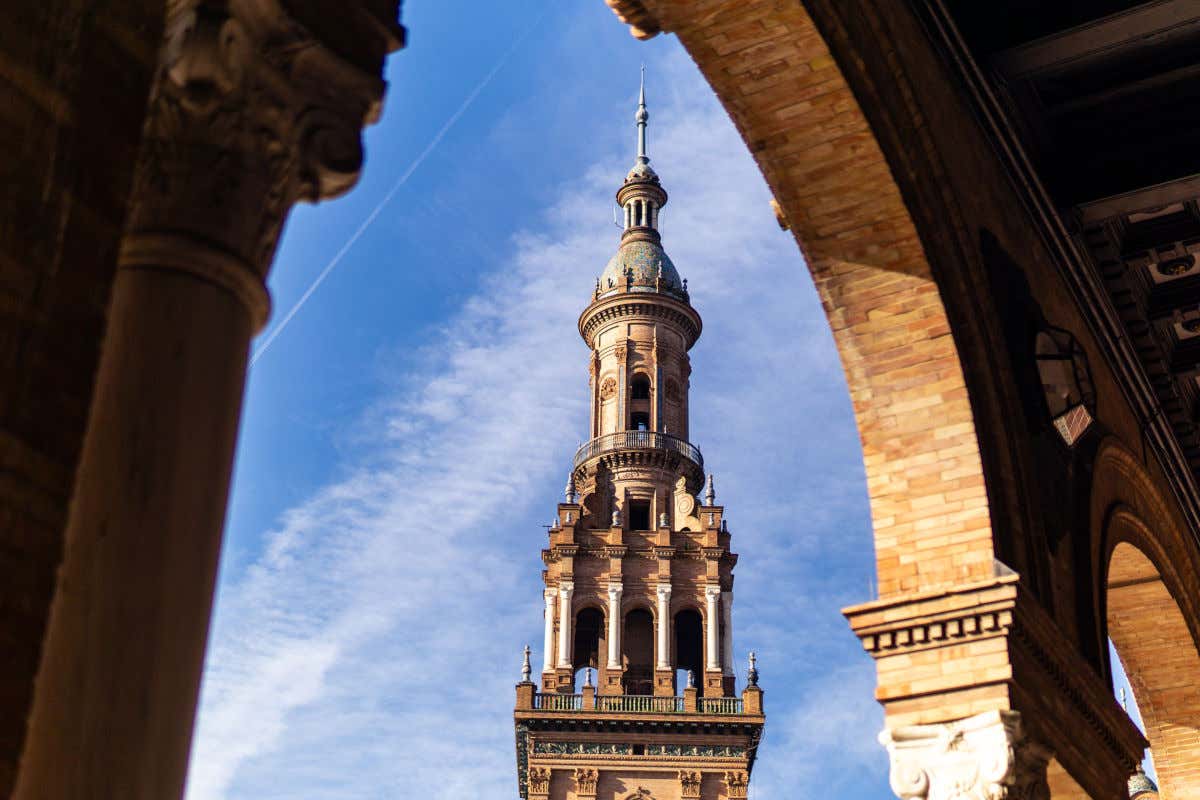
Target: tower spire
column 642, row 117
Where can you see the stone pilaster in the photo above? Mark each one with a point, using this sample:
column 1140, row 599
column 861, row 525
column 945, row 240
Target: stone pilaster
column 689, row 784
column 585, row 783
column 250, row 112
column 984, row 757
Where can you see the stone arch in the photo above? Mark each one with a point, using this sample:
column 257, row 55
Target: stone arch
column 1149, row 607
column 838, row 194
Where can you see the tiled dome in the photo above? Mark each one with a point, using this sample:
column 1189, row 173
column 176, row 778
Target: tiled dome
column 644, row 259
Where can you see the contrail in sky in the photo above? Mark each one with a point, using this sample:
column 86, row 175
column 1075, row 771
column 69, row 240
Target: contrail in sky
column 366, row 223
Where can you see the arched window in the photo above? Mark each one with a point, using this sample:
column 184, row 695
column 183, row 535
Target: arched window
column 640, row 388
column 589, row 626
column 689, row 647
column 638, row 652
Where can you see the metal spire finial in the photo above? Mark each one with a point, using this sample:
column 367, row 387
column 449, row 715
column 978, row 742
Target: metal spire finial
column 526, row 670
column 642, row 116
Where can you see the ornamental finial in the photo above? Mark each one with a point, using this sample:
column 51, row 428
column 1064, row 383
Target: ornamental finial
column 691, row 684
column 710, row 494
column 570, row 490
column 587, row 678
column 526, row 670
column 642, row 116
column 752, row 675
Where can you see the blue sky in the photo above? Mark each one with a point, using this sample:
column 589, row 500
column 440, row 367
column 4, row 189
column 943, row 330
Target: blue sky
column 407, row 436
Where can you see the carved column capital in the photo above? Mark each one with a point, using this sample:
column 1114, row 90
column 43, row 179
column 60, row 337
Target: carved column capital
column 984, row 757
column 689, row 784
column 249, row 113
column 736, row 784
column 585, row 782
column 539, row 782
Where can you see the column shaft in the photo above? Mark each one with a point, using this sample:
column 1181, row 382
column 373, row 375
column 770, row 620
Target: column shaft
column 548, row 635
column 664, row 627
column 711, row 650
column 614, row 627
column 565, row 618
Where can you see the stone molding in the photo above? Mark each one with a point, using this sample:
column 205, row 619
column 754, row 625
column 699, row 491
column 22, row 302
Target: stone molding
column 984, row 757
column 611, row 309
column 1038, row 654
column 249, row 113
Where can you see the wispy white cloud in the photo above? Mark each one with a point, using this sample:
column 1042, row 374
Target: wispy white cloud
column 371, row 648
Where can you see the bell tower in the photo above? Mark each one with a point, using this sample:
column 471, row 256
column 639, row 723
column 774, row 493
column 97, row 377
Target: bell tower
column 636, row 697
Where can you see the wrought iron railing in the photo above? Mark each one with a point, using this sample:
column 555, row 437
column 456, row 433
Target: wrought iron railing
column 638, row 702
column 552, row 701
column 720, row 705
column 638, row 440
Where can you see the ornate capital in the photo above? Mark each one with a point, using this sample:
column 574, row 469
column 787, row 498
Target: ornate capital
column 712, row 592
column 985, row 757
column 565, row 588
column 585, row 781
column 614, row 592
column 664, row 592
column 539, row 781
column 249, row 113
column 736, row 784
column 622, row 353
column 689, row 784
column 550, row 595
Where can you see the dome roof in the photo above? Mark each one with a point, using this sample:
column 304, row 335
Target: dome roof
column 1140, row 783
column 644, row 259
column 641, row 171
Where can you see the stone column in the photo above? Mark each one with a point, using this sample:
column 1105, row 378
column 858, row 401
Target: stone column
column 711, row 651
column 727, row 633
column 984, row 757
column 550, row 595
column 614, row 625
column 566, row 589
column 249, row 113
column 664, row 626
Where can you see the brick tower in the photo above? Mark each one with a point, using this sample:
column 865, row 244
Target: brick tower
column 639, row 574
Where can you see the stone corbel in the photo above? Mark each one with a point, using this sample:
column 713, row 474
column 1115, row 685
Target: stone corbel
column 984, row 757
column 642, row 24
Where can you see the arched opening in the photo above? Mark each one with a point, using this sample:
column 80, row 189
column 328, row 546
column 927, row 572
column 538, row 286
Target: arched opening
column 639, row 421
column 1161, row 662
column 637, row 647
column 640, row 387
column 689, row 647
column 589, row 630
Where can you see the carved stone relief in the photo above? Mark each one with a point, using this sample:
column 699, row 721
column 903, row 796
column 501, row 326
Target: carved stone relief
column 985, row 757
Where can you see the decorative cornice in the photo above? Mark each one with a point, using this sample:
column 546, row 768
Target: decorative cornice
column 655, row 306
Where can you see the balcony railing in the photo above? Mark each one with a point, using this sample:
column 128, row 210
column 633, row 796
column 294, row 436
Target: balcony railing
column 720, row 705
column 552, row 701
column 638, row 440
column 638, row 702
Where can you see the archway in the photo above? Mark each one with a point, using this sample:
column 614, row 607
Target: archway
column 589, row 642
column 637, row 651
column 689, row 646
column 1161, row 661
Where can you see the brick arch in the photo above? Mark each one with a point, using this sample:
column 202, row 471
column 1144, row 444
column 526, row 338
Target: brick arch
column 1149, row 604
column 773, row 71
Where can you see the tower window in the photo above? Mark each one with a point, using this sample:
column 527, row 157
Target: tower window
column 639, row 515
column 639, row 420
column 640, row 388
